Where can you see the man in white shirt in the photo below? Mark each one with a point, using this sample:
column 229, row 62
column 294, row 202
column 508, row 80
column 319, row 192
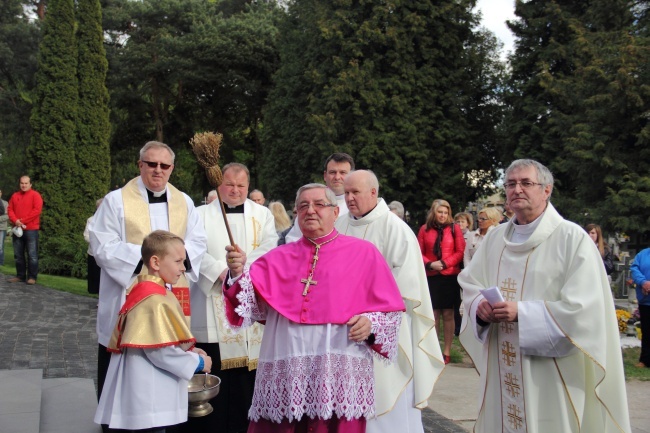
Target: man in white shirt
column 548, row 352
column 337, row 166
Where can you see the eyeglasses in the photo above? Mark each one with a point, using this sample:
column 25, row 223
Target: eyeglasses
column 484, row 219
column 525, row 184
column 152, row 164
column 318, row 206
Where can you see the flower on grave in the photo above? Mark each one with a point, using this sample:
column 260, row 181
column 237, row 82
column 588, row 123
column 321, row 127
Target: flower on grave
column 622, row 317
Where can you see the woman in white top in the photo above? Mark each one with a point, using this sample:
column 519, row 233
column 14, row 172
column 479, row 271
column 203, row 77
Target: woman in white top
column 487, row 218
column 466, row 223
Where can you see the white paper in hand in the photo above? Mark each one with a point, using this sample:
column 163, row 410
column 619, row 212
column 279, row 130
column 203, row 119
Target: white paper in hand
column 492, row 295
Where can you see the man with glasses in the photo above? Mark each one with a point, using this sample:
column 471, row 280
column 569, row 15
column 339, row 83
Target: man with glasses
column 125, row 217
column 331, row 304
column 540, row 322
column 234, row 353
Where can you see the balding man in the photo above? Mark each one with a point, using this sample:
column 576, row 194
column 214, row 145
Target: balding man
column 257, row 196
column 403, row 388
column 212, row 196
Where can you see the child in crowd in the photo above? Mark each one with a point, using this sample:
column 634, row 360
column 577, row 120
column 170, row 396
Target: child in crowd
column 151, row 364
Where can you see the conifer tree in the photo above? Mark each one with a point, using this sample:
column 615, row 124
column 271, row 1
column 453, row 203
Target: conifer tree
column 51, row 154
column 19, row 37
column 385, row 82
column 578, row 101
column 93, row 126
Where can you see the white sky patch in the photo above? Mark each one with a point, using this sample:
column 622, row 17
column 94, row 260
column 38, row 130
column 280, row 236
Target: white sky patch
column 495, row 13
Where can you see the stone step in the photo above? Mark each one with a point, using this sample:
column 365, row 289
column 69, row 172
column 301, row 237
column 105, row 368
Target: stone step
column 68, row 405
column 20, row 400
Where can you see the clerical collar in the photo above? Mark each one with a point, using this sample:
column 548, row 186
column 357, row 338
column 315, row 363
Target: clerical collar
column 365, row 214
column 523, row 232
column 157, row 197
column 234, row 209
column 324, row 238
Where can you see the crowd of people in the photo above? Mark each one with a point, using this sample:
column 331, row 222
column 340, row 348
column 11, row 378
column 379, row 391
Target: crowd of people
column 330, row 321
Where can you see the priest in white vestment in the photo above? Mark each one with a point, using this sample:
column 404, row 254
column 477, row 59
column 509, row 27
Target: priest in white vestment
column 545, row 339
column 125, row 217
column 404, row 387
column 337, row 166
column 234, row 353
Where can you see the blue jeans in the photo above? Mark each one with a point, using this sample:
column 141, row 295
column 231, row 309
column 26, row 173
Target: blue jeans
column 3, row 233
column 29, row 239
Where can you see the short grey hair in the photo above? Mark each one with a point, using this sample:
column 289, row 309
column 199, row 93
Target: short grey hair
column 329, row 194
column 398, row 207
column 544, row 175
column 156, row 145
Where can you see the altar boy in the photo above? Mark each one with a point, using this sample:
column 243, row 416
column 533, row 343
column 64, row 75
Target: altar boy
column 151, row 364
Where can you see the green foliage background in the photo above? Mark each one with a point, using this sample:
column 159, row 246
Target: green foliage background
column 414, row 90
column 390, row 84
column 579, row 93
column 51, row 154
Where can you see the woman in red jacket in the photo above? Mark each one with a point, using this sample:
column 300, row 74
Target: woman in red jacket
column 442, row 246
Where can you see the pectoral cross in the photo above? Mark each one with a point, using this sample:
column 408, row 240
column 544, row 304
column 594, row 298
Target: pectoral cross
column 308, row 281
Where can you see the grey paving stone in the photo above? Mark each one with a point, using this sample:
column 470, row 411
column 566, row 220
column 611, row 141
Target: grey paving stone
column 20, row 400
column 68, row 405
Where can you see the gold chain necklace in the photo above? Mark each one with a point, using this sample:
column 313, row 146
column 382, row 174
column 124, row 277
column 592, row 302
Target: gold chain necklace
column 309, row 280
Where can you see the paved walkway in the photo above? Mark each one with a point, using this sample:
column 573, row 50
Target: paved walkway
column 55, row 331
column 48, row 329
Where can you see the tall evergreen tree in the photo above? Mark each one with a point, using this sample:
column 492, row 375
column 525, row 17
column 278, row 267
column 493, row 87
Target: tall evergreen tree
column 182, row 66
column 93, row 126
column 385, row 82
column 51, row 153
column 19, row 37
column 579, row 105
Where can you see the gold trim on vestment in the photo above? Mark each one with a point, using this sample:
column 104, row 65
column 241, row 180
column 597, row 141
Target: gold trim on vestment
column 234, row 363
column 596, row 363
column 156, row 321
column 509, row 358
column 257, row 229
column 137, row 221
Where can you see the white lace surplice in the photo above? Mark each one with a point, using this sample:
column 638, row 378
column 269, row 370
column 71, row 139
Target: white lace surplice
column 314, row 370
